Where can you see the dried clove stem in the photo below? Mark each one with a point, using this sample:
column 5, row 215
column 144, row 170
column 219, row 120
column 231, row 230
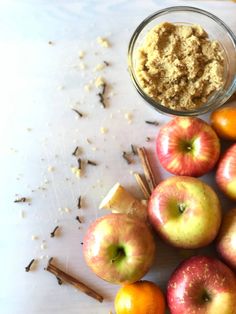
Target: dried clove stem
column 73, row 281
column 91, row 163
column 134, row 149
column 156, row 123
column 147, row 168
column 54, row 231
column 143, row 186
column 78, row 219
column 79, row 202
column 75, row 151
column 79, row 163
column 126, row 156
column 101, row 95
column 27, row 268
column 20, row 200
column 78, row 112
column 59, row 281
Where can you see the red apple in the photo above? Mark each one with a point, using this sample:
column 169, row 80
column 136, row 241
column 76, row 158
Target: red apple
column 226, row 244
column 226, row 172
column 202, row 285
column 187, row 146
column 119, row 248
column 185, row 212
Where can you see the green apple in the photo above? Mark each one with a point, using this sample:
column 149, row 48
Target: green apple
column 185, row 212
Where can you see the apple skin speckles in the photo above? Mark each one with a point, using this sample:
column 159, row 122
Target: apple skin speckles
column 202, row 285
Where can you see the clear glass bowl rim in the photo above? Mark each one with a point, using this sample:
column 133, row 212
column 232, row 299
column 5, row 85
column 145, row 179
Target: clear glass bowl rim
column 204, row 109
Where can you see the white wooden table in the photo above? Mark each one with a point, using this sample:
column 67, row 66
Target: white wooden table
column 38, row 130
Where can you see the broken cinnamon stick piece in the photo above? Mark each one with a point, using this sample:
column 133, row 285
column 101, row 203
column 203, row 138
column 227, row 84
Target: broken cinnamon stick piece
column 73, row 281
column 143, row 186
column 147, row 168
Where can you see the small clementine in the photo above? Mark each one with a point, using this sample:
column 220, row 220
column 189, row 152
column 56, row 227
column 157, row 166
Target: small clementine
column 141, row 297
column 224, row 122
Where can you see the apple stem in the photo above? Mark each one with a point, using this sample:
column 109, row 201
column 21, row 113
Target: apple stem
column 181, row 207
column 206, row 297
column 120, row 253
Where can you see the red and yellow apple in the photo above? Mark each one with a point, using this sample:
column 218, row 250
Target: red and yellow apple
column 226, row 172
column 187, row 146
column 202, row 285
column 226, row 242
column 185, row 212
column 119, row 248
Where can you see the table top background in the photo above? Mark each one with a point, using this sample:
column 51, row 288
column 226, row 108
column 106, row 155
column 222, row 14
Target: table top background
column 39, row 85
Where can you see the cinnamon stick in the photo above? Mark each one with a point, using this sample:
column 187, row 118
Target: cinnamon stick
column 143, row 186
column 73, row 281
column 147, row 168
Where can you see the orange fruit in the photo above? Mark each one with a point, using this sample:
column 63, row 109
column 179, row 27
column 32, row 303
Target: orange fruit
column 141, row 297
column 224, row 122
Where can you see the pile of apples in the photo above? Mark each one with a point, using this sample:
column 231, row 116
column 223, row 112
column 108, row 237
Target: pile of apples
column 186, row 213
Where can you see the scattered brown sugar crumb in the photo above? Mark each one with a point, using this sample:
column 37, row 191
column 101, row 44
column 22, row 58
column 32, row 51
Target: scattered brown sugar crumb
column 179, row 66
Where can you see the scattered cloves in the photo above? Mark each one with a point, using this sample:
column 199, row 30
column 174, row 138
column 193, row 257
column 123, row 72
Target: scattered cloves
column 101, row 95
column 75, row 151
column 79, row 163
column 59, row 281
column 79, row 202
column 20, row 200
column 78, row 219
column 54, row 231
column 134, row 149
column 156, row 123
column 27, row 268
column 78, row 112
column 126, row 156
column 91, row 163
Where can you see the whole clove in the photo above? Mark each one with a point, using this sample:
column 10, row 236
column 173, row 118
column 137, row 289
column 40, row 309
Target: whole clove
column 148, row 139
column 106, row 63
column 91, row 163
column 21, row 200
column 59, row 281
column 126, row 156
column 79, row 202
column 78, row 219
column 134, row 149
column 54, row 231
column 101, row 95
column 79, row 163
column 156, row 123
column 27, row 268
column 75, row 151
column 78, row 112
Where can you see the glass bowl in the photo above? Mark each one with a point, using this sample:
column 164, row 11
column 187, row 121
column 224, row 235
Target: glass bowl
column 216, row 29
